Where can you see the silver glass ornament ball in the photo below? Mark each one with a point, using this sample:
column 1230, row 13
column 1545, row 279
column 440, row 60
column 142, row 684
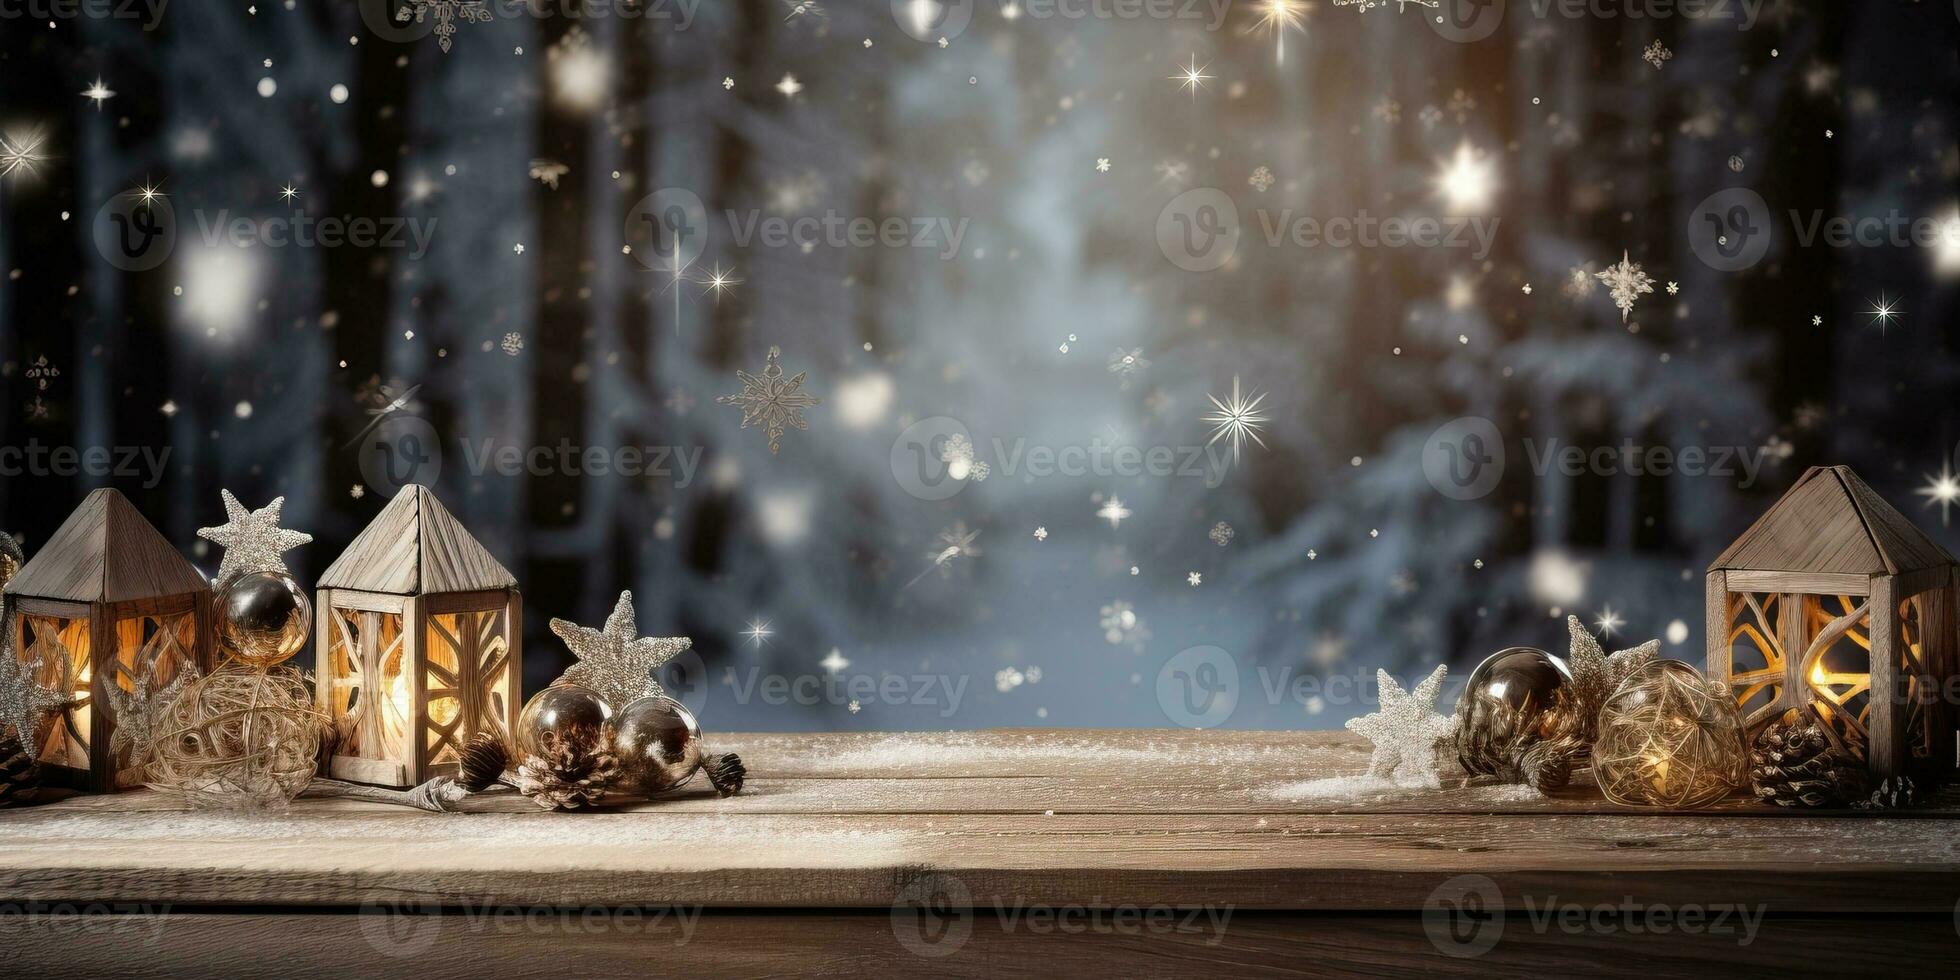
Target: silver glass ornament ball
column 658, row 743
column 264, row 617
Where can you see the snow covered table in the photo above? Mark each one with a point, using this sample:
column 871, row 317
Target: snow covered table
column 1068, row 852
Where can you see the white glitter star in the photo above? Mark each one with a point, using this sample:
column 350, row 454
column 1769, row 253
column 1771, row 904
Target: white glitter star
column 616, row 662
column 252, row 539
column 1405, row 730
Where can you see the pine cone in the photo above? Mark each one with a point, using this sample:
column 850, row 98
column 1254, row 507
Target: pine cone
column 1547, row 765
column 726, row 773
column 568, row 780
column 1793, row 764
column 1890, row 794
column 484, row 760
column 19, row 775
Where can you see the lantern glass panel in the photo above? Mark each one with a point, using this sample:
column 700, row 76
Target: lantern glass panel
column 60, row 646
column 369, row 694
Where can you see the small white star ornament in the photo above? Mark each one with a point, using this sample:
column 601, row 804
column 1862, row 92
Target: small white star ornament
column 616, row 662
column 1405, row 731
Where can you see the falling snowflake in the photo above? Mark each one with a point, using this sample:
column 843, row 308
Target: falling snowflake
column 42, row 372
column 1673, row 288
column 1102, row 165
column 1388, row 111
column 1221, row 534
column 800, row 8
column 1113, row 511
column 1122, row 627
column 513, row 342
column 445, row 13
column 357, row 491
column 1195, row 578
column 547, row 172
column 1430, row 116
column 957, row 454
column 728, row 83
column 1126, row 364
column 1736, row 164
column 953, row 543
column 834, row 662
column 1657, row 54
column 769, row 401
column 1261, row 180
column 855, row 707
column 1174, row 172
column 1527, row 289
column 789, row 86
column 1041, row 533
column 1625, row 282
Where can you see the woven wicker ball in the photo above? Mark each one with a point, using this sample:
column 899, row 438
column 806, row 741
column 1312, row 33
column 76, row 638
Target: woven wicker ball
column 237, row 739
column 1670, row 738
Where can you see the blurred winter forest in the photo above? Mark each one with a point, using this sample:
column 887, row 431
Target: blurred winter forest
column 1058, row 142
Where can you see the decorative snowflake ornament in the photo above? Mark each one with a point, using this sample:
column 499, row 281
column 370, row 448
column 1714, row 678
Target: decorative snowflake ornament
column 136, row 712
column 1625, row 282
column 445, row 13
column 1405, row 731
column 1657, row 54
column 616, row 662
column 769, row 401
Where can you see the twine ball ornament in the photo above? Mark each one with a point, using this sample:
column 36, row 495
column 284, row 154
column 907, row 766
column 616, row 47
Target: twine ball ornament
column 246, row 736
column 1669, row 738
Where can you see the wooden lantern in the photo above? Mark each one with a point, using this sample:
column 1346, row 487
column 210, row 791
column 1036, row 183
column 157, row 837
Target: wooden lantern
column 106, row 601
column 1834, row 603
column 419, row 645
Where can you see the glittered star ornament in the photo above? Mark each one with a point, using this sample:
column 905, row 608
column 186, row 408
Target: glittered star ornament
column 23, row 701
column 252, row 539
column 1595, row 674
column 769, row 401
column 616, row 662
column 136, row 712
column 1405, row 731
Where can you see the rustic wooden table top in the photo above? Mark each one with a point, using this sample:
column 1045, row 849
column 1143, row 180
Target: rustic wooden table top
column 1255, row 820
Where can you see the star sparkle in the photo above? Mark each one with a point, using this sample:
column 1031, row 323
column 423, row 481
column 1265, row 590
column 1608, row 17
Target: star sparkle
column 1237, row 418
column 1192, row 77
column 1943, row 490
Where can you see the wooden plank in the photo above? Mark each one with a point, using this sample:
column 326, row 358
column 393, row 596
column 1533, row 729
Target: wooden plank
column 847, row 820
column 984, row 944
column 1887, row 728
column 1816, row 583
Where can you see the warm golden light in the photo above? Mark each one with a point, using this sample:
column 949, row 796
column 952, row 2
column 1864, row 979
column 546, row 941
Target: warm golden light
column 1467, row 181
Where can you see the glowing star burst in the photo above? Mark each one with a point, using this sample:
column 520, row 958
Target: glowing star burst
column 1237, row 418
column 1192, row 77
column 1884, row 312
column 718, row 282
column 1943, row 490
column 771, row 402
column 1280, row 16
column 1625, row 282
column 616, row 662
column 21, row 153
column 758, row 632
column 1467, row 180
column 288, row 192
column 98, row 93
column 789, row 86
column 1113, row 511
column 1608, row 621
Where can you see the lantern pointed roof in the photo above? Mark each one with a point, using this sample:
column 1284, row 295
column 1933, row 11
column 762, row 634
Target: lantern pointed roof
column 416, row 547
column 1832, row 521
column 106, row 551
